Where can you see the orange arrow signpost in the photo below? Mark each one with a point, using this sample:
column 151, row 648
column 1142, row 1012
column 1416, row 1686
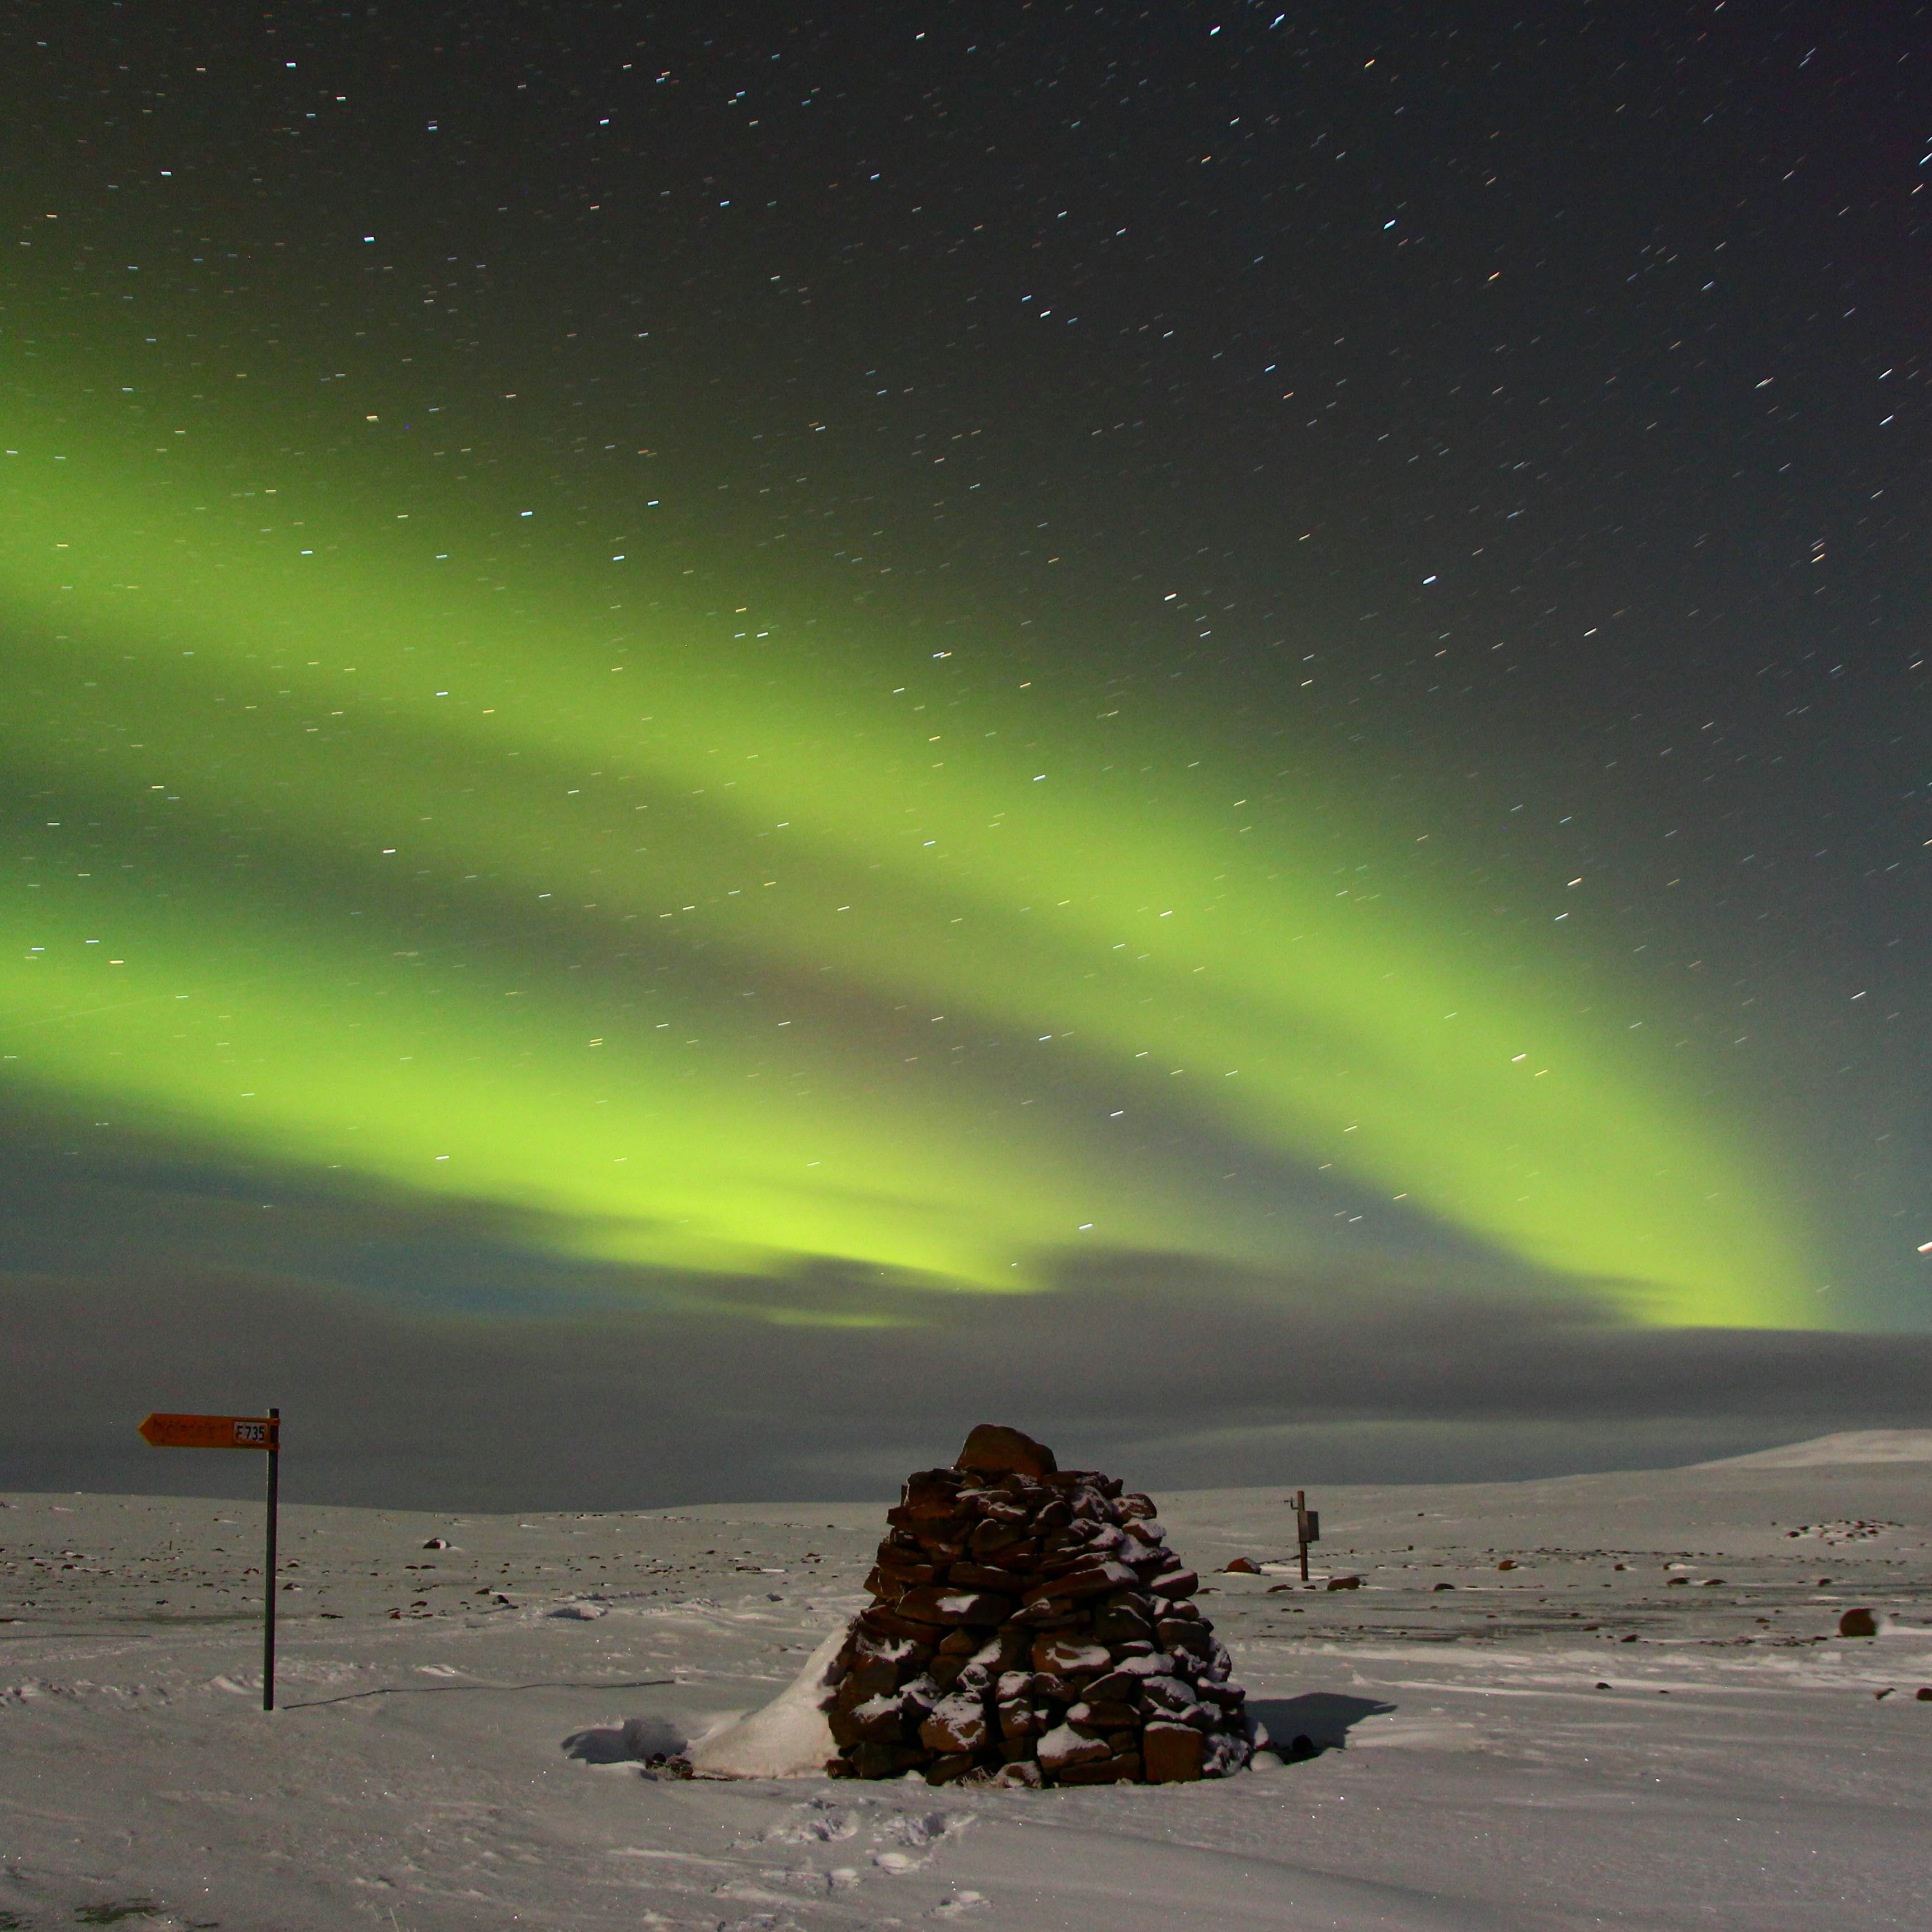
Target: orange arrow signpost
column 209, row 1432
column 235, row 1432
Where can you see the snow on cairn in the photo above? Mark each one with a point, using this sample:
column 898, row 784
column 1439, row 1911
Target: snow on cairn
column 1029, row 1626
column 789, row 1738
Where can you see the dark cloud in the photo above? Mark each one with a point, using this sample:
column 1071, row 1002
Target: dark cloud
column 1154, row 1368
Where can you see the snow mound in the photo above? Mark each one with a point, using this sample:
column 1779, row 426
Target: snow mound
column 1854, row 1445
column 787, row 1738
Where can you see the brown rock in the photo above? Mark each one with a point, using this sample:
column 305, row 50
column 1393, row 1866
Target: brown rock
column 883, row 1760
column 931, row 1493
column 1345, row 1582
column 980, row 1576
column 936, row 1603
column 1176, row 1635
column 906, row 1567
column 868, row 1643
column 1857, row 1623
column 1242, row 1566
column 1018, row 1559
column 888, row 1583
column 1063, row 1656
column 870, row 1674
column 956, row 1724
column 993, row 1447
column 1169, row 1697
column 949, row 1769
column 1230, row 1699
column 1117, row 1623
column 1173, row 1754
column 879, row 1721
column 945, row 1532
column 1062, row 1748
column 1045, row 1613
column 1103, row 1714
column 993, row 1536
column 1175, row 1583
column 893, row 1623
column 1015, row 1648
column 1095, row 1579
column 869, row 1677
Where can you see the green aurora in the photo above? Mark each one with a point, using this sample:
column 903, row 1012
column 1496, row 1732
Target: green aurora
column 409, row 840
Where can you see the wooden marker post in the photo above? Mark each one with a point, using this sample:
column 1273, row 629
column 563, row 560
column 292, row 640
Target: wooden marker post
column 235, row 1432
column 1307, row 1528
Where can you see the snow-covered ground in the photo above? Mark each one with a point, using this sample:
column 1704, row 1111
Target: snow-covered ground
column 1649, row 1720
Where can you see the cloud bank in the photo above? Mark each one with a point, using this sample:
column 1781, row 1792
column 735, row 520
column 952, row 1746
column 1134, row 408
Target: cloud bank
column 1148, row 1366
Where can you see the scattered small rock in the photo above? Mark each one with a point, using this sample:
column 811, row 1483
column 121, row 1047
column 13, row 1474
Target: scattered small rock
column 437, row 1543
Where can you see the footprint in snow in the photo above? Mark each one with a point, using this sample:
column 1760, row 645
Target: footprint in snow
column 811, row 1879
column 820, row 1826
column 921, row 1828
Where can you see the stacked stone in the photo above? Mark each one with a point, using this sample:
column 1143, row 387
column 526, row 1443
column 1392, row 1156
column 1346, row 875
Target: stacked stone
column 1029, row 1626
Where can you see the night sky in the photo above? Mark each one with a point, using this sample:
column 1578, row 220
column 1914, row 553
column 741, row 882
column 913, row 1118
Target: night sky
column 729, row 733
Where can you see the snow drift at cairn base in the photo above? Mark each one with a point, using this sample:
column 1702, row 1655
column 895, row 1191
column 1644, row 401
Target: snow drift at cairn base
column 1029, row 1626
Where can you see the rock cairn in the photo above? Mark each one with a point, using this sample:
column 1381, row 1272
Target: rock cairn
column 1029, row 1626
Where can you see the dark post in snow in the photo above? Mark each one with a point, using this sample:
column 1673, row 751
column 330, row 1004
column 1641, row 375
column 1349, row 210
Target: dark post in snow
column 1307, row 1528
column 235, row 1432
column 268, row 1565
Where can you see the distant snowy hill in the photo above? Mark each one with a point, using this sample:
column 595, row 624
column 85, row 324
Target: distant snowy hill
column 1852, row 1445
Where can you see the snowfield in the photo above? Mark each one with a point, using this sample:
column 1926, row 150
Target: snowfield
column 1616, row 1700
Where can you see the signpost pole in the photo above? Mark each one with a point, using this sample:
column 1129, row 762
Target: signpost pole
column 269, row 1565
column 1307, row 1528
column 235, row 1432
